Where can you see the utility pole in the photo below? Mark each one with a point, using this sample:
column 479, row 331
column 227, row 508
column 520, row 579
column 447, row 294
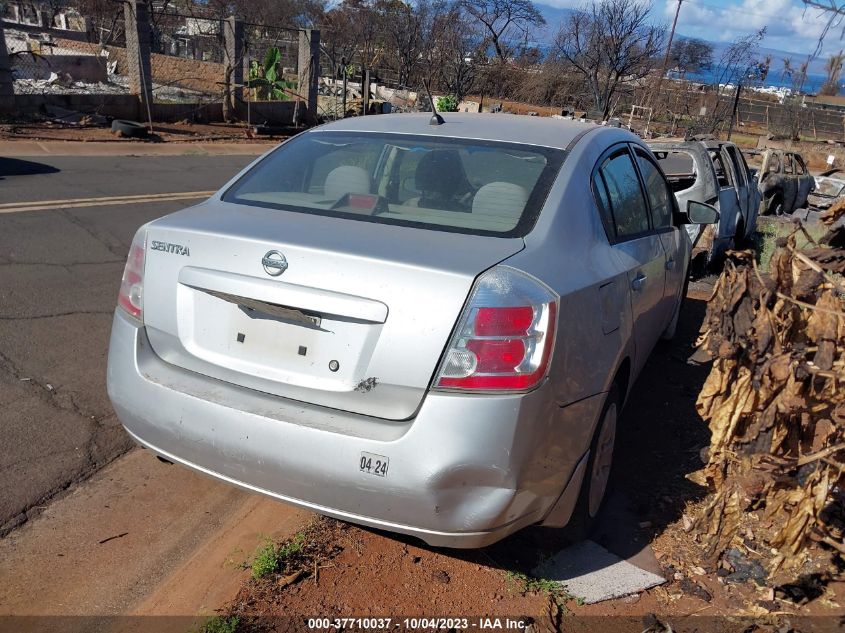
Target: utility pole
column 671, row 37
column 666, row 56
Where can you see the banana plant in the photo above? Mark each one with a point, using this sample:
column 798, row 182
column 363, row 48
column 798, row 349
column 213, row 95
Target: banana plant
column 266, row 79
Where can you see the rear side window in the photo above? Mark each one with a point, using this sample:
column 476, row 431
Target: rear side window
column 800, row 167
column 659, row 195
column 787, row 164
column 623, row 194
column 458, row 185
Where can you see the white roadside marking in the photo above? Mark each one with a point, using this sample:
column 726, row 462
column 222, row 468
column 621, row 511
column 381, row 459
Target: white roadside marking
column 45, row 205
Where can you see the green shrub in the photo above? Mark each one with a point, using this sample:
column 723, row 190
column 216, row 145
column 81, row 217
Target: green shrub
column 770, row 231
column 269, row 558
column 220, row 624
column 449, row 103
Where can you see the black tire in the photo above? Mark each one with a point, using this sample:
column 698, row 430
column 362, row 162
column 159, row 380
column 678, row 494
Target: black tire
column 583, row 516
column 129, row 129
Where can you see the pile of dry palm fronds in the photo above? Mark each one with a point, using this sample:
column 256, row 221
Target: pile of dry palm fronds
column 775, row 398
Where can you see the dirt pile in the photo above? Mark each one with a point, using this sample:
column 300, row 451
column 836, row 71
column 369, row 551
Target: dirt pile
column 775, row 404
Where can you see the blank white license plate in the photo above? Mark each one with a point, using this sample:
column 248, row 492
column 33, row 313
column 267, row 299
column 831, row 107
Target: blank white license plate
column 373, row 464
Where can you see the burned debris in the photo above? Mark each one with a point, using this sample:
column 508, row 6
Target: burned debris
column 775, row 404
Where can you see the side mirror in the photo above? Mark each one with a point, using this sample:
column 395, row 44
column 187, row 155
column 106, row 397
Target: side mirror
column 700, row 213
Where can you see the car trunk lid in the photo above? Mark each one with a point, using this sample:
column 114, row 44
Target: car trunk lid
column 357, row 321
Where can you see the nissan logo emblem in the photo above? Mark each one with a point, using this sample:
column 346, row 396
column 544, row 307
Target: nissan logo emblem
column 274, row 263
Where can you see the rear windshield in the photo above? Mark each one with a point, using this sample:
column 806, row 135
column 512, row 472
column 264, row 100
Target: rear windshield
column 679, row 168
column 467, row 186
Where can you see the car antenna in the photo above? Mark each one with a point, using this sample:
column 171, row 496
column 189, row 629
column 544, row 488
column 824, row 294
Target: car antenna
column 436, row 119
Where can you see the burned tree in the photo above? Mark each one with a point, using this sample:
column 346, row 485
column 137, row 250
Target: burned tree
column 737, row 64
column 691, row 56
column 461, row 46
column 833, row 67
column 503, row 21
column 610, row 42
column 403, row 24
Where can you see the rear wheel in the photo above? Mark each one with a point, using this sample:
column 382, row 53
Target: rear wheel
column 597, row 476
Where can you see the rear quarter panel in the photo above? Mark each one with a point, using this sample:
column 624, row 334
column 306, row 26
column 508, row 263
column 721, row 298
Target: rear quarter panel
column 569, row 251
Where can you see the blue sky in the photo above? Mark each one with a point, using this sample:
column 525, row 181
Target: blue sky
column 791, row 27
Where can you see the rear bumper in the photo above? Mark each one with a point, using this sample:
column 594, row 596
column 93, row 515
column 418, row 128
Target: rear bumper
column 465, row 472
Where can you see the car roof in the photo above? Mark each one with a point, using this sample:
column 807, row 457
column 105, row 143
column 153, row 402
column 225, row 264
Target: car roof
column 718, row 144
column 507, row 128
column 664, row 144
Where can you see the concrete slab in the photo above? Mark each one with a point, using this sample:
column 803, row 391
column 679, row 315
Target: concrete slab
column 590, row 572
column 618, row 530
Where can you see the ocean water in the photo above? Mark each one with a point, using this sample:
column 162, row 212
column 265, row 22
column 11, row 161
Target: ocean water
column 812, row 84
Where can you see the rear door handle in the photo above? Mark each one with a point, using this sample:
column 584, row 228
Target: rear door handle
column 638, row 282
column 670, row 263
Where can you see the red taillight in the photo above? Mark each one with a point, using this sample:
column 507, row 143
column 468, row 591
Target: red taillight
column 503, row 321
column 505, row 338
column 132, row 285
column 496, row 356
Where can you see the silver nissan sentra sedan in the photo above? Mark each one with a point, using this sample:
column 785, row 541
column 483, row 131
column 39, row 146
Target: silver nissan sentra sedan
column 428, row 329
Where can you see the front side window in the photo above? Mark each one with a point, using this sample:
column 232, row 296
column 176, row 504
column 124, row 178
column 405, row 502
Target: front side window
column 659, row 195
column 738, row 166
column 723, row 174
column 467, row 186
column 623, row 193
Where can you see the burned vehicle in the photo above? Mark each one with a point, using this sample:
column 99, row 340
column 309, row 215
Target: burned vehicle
column 829, row 187
column 783, row 180
column 713, row 172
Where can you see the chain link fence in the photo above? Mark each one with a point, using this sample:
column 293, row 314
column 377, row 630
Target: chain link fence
column 187, row 56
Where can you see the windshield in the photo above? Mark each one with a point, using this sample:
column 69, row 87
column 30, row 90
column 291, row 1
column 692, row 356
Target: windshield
column 468, row 186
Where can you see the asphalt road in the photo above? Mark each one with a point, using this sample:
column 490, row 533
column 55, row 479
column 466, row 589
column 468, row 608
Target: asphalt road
column 60, row 271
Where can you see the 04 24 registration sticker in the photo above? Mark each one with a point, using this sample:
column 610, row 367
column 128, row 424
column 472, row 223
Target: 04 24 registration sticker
column 373, row 464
